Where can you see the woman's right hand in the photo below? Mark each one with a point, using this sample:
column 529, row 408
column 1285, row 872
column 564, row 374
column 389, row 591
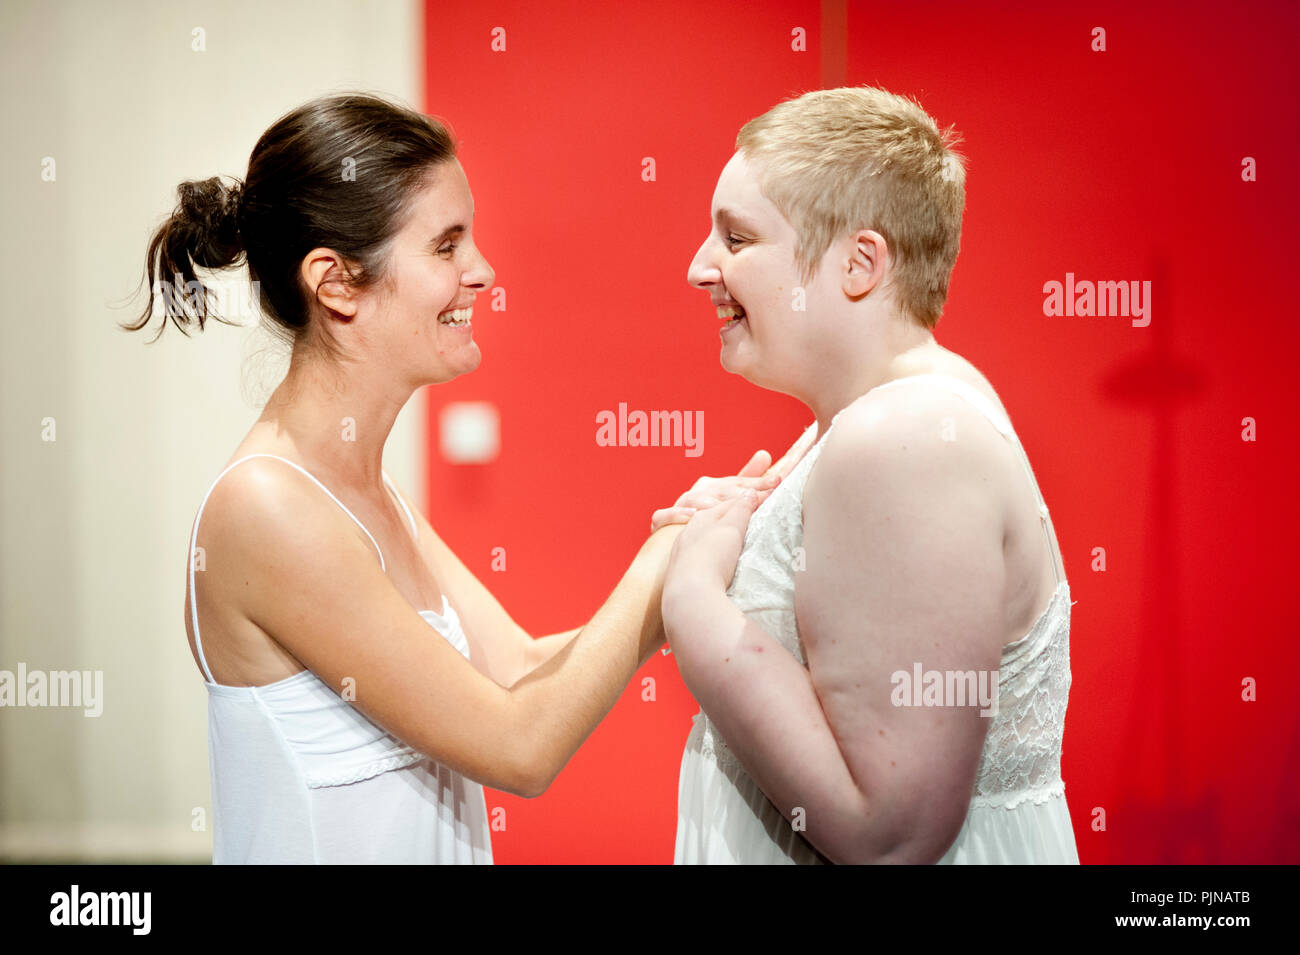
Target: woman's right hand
column 710, row 491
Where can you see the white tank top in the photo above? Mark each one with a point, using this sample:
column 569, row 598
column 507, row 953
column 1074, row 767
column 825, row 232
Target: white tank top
column 299, row 775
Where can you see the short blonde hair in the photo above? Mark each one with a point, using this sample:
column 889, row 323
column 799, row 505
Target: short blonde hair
column 834, row 161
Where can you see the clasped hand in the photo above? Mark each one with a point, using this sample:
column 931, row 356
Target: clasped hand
column 711, row 491
column 716, row 512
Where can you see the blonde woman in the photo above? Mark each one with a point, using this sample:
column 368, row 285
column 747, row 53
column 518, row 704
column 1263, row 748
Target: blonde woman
column 909, row 539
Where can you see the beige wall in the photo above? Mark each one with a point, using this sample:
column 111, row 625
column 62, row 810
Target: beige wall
column 95, row 523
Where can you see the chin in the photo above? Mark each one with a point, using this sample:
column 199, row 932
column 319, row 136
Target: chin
column 742, row 362
column 470, row 360
column 733, row 360
column 463, row 362
column 756, row 376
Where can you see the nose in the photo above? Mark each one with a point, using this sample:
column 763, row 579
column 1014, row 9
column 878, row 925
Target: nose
column 702, row 273
column 482, row 275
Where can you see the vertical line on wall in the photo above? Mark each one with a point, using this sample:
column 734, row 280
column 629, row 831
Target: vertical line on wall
column 834, row 43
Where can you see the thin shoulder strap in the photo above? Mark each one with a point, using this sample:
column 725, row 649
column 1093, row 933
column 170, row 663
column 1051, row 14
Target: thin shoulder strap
column 995, row 417
column 194, row 534
column 415, row 531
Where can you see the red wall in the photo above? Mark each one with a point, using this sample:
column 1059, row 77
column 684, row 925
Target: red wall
column 1122, row 165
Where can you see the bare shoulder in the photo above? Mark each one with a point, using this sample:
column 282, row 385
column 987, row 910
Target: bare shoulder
column 250, row 499
column 918, row 471
column 262, row 530
column 941, row 361
column 267, row 512
column 912, row 431
column 914, row 412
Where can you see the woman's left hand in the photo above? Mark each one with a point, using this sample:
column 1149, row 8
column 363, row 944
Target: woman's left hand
column 706, row 552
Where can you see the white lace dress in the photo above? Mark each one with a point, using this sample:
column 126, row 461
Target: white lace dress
column 1017, row 811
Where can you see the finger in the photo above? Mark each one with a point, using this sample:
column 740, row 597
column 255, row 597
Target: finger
column 727, row 491
column 705, row 515
column 697, row 501
column 763, row 486
column 792, row 457
column 742, row 500
column 783, row 465
column 670, row 515
column 757, row 464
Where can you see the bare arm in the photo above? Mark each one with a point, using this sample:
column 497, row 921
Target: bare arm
column 311, row 580
column 903, row 565
column 541, row 649
column 510, row 651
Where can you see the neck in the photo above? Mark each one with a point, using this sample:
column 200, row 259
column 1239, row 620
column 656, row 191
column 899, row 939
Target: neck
column 336, row 418
column 890, row 347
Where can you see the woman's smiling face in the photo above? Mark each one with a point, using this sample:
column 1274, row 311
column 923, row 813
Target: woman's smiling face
column 435, row 271
column 748, row 260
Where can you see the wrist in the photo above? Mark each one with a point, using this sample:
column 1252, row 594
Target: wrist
column 657, row 548
column 690, row 602
column 684, row 583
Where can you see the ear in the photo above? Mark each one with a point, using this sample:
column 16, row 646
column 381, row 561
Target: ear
column 864, row 268
column 323, row 272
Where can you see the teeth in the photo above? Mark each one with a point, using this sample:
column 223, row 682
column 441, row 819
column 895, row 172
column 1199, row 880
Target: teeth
column 457, row 316
column 730, row 311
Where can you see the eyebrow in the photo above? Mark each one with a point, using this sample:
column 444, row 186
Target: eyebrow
column 447, row 233
column 457, row 229
column 727, row 216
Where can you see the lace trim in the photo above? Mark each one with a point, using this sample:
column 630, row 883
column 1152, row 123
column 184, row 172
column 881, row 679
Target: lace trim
column 705, row 740
column 1010, row 800
column 368, row 770
column 1022, row 751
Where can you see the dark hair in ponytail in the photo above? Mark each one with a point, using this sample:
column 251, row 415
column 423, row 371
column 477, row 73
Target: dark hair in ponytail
column 340, row 172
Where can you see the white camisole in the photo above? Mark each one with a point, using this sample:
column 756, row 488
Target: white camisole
column 299, row 775
column 1017, row 811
